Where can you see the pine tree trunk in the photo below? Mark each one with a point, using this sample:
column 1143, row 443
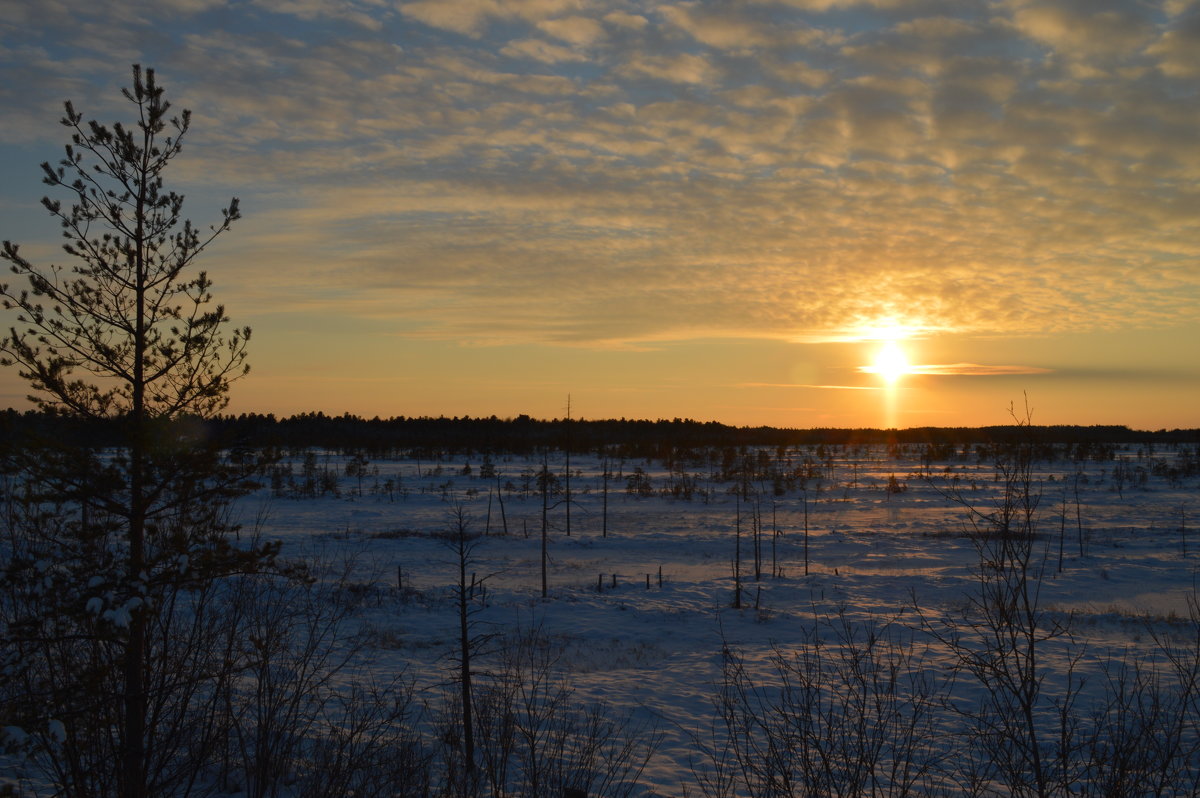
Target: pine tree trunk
column 135, row 654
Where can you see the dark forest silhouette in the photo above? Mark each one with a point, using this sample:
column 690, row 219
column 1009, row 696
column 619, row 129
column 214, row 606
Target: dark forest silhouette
column 523, row 434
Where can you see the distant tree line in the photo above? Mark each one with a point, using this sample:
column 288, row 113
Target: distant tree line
column 523, row 435
column 654, row 441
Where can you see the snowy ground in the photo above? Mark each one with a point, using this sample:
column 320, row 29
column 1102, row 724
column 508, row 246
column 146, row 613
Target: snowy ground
column 1128, row 562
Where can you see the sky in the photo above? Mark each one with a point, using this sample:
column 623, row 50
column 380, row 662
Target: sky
column 802, row 213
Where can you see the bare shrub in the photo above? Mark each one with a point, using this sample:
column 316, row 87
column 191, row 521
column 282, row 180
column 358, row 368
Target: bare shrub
column 300, row 718
column 536, row 738
column 848, row 711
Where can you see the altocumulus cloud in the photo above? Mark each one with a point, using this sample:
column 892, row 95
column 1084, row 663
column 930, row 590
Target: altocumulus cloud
column 601, row 172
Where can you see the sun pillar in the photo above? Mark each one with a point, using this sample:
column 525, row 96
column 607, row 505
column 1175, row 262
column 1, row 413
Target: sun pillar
column 891, row 364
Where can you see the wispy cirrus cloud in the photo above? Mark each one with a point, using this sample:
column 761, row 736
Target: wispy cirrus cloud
column 963, row 370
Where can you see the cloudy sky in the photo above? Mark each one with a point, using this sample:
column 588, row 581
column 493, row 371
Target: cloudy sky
column 716, row 210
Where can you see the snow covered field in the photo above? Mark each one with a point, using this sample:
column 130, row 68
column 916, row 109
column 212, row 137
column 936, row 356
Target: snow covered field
column 1114, row 558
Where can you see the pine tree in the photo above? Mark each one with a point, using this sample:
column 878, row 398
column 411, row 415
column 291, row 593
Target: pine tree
column 127, row 336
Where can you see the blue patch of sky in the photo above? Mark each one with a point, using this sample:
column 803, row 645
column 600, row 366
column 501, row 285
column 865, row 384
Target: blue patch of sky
column 24, row 217
column 852, row 21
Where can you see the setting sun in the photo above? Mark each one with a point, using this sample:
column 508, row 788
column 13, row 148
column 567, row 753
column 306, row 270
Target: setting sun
column 890, row 362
